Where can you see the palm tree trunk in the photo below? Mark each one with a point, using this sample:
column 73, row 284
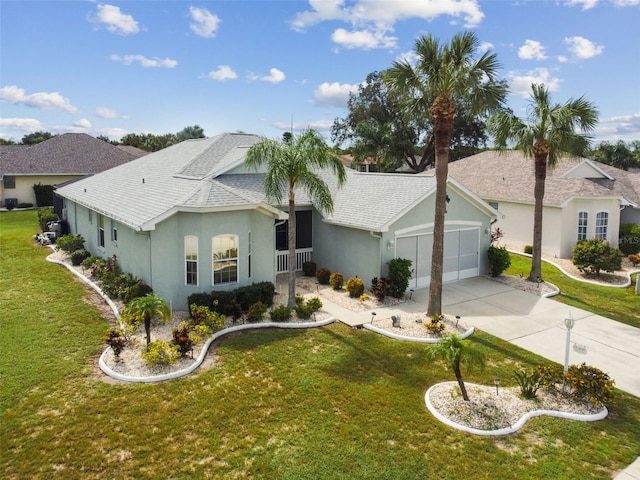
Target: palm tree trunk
column 463, row 388
column 540, row 159
column 443, row 112
column 291, row 302
column 147, row 328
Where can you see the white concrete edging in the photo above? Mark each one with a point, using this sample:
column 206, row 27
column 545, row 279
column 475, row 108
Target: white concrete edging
column 602, row 414
column 198, row 361
column 396, row 336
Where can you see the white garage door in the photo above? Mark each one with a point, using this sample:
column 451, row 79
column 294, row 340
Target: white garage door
column 460, row 259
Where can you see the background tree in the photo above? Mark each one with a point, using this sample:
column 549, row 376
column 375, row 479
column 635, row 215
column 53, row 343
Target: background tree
column 286, row 137
column 445, row 80
column 620, row 154
column 188, row 133
column 454, row 352
column 143, row 309
column 36, row 137
column 7, row 141
column 148, row 141
column 294, row 164
column 548, row 133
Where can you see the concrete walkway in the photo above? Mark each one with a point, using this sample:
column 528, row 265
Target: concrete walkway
column 533, row 323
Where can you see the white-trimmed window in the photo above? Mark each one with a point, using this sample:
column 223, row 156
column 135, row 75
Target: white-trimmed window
column 225, row 259
column 114, row 231
column 583, row 218
column 8, row 182
column 101, row 230
column 602, row 225
column 191, row 260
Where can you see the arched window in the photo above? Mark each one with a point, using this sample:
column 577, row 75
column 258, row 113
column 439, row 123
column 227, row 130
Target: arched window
column 583, row 218
column 191, row 260
column 602, row 224
column 225, row 259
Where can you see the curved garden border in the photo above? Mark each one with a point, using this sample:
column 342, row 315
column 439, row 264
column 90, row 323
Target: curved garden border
column 602, row 414
column 396, row 336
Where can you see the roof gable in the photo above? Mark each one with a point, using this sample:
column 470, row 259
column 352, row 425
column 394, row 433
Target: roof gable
column 586, row 169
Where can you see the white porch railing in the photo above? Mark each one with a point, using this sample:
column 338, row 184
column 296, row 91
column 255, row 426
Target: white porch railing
column 282, row 259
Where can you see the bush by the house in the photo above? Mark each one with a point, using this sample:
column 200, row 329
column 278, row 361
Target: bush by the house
column 203, row 299
column 138, row 289
column 70, row 243
column 634, row 258
column 397, row 280
column 629, row 238
column 116, row 284
column 436, row 325
column 116, row 340
column 46, row 215
column 304, row 311
column 44, row 194
column 355, row 287
column 160, row 353
column 590, row 383
column 281, row 313
column 528, row 249
column 336, row 280
column 256, row 312
column 499, row 260
column 314, row 303
column 323, row 276
column 100, row 266
column 203, row 315
column 79, row 256
column 182, row 338
column 309, row 269
column 595, row 255
column 378, row 288
column 25, row 205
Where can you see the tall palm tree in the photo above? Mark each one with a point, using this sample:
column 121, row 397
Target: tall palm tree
column 455, row 351
column 548, row 133
column 290, row 163
column 144, row 309
column 445, row 79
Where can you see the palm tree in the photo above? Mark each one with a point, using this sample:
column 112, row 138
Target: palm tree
column 144, row 309
column 445, row 80
column 548, row 133
column 455, row 351
column 292, row 163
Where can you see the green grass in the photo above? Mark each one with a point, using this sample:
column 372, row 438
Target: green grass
column 326, row 403
column 619, row 304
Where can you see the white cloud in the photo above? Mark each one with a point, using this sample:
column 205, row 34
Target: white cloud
column 45, row 101
column 363, row 39
column 107, row 113
column 23, row 124
column 275, row 76
column 410, row 57
column 336, row 94
column 485, row 46
column 112, row 18
column 82, row 123
column 531, row 50
column 586, row 4
column 582, row 48
column 626, row 3
column 320, row 125
column 520, row 85
column 623, row 124
column 144, row 61
column 204, row 24
column 224, row 72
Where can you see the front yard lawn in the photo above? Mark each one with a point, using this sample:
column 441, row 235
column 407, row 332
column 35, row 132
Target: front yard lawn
column 326, row 403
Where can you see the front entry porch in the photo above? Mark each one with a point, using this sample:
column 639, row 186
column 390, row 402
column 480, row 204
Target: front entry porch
column 282, row 259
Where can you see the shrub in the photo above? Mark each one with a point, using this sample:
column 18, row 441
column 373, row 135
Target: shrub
column 70, row 243
column 436, row 325
column 46, row 215
column 25, row 205
column 100, row 267
column 117, row 284
column 256, row 312
column 267, row 292
column 201, row 299
column 203, row 315
column 629, row 238
column 116, row 340
column 634, row 258
column 44, row 194
column 160, row 353
column 247, row 296
column 309, row 269
column 499, row 260
column 323, row 276
column 304, row 311
column 89, row 262
column 182, row 339
column 590, row 383
column 529, row 382
column 226, row 304
column 79, row 256
column 378, row 288
column 592, row 256
column 355, row 287
column 314, row 303
column 528, row 249
column 281, row 313
column 336, row 280
column 138, row 289
column 397, row 280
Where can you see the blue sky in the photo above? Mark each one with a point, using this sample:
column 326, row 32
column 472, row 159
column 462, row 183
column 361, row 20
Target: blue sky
column 111, row 68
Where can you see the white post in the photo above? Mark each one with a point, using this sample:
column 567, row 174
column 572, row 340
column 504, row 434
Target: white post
column 569, row 322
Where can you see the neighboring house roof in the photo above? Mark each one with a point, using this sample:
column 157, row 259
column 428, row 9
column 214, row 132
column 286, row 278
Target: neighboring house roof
column 67, row 154
column 509, row 176
column 190, row 176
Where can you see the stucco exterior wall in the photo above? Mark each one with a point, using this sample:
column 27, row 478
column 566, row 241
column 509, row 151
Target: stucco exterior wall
column 24, row 186
column 592, row 207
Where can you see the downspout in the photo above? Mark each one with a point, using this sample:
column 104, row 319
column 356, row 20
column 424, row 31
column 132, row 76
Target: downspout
column 380, row 250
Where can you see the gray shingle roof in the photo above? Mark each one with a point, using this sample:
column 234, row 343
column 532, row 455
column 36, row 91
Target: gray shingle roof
column 509, row 176
column 68, row 154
